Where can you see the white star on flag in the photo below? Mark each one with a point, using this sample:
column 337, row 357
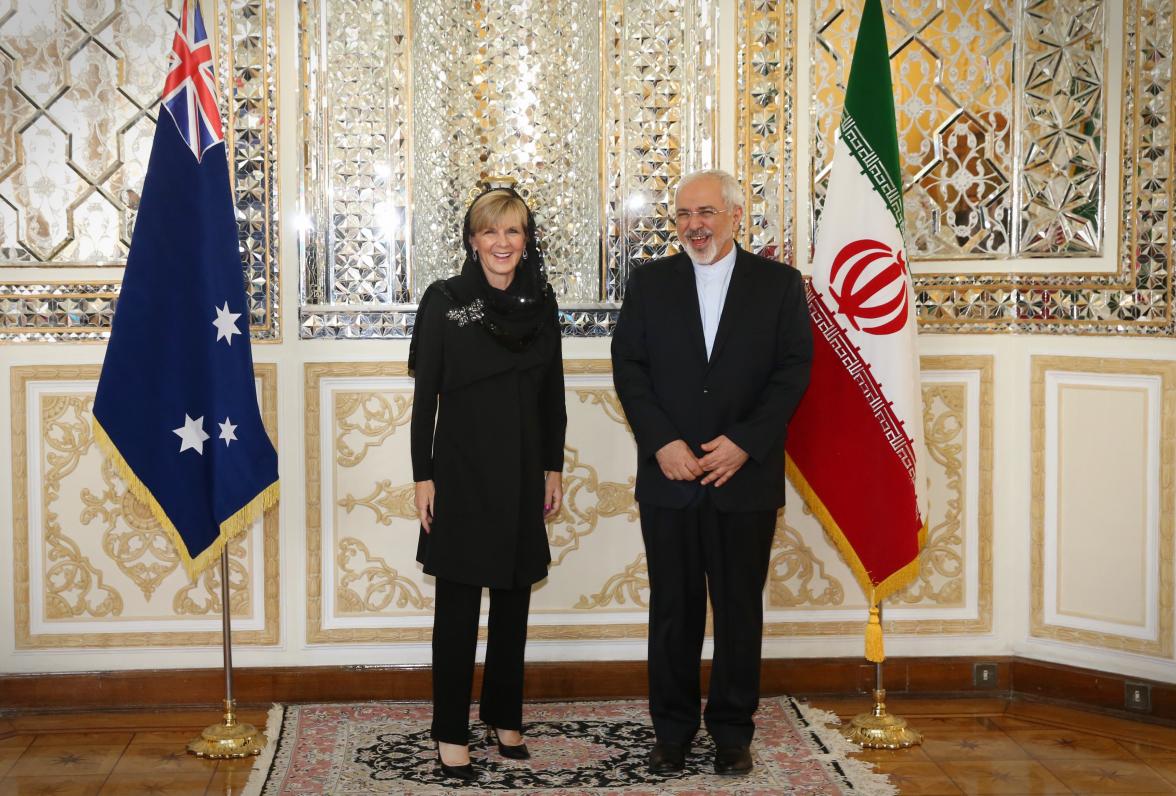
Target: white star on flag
column 226, row 323
column 191, row 434
column 227, row 428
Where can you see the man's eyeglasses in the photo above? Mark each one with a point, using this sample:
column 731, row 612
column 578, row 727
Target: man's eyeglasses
column 705, row 213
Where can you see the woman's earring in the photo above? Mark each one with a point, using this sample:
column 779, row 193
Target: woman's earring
column 475, row 255
column 524, row 254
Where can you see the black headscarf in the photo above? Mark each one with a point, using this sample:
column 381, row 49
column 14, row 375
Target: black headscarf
column 514, row 317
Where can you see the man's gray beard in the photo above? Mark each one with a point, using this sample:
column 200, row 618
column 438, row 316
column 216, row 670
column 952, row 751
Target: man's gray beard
column 705, row 257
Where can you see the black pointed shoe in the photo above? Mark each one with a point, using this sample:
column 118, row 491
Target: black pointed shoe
column 465, row 773
column 732, row 761
column 667, row 758
column 516, row 752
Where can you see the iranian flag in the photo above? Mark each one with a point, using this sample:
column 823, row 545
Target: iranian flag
column 855, row 444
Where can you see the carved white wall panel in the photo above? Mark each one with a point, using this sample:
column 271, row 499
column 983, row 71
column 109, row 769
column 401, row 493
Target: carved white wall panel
column 1103, row 513
column 365, row 584
column 811, row 591
column 92, row 566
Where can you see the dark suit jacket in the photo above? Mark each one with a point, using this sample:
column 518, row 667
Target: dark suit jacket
column 758, row 370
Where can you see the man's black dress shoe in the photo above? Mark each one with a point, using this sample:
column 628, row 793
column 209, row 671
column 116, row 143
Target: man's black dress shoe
column 732, row 761
column 667, row 758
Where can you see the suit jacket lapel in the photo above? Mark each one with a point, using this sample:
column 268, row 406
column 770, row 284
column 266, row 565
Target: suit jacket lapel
column 735, row 304
column 688, row 299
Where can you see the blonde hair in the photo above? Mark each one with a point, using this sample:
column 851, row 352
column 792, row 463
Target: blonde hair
column 493, row 206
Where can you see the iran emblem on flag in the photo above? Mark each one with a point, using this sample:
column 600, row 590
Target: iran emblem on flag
column 855, row 444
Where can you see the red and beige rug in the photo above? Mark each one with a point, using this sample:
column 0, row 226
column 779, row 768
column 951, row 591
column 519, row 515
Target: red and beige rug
column 576, row 748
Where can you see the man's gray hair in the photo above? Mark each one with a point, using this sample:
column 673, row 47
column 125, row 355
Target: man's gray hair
column 732, row 193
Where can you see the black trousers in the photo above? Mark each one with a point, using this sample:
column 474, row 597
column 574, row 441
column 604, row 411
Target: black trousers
column 690, row 551
column 455, row 641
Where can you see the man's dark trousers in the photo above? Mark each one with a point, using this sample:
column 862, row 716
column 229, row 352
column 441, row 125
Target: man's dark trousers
column 689, row 551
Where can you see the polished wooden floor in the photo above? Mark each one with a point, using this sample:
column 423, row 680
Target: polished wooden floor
column 972, row 746
column 991, row 746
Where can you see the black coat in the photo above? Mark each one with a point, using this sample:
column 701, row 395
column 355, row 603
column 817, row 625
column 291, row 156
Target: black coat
column 758, row 370
column 500, row 426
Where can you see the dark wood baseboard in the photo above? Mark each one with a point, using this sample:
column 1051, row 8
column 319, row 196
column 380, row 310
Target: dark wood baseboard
column 903, row 677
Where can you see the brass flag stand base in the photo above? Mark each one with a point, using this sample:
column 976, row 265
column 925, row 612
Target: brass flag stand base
column 228, row 738
column 879, row 730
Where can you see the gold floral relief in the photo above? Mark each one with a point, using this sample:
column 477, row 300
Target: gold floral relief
column 364, row 420
column 796, row 576
column 387, row 502
column 142, row 550
column 631, row 585
column 941, row 563
column 607, row 400
column 367, row 584
column 586, row 500
column 203, row 597
column 74, row 586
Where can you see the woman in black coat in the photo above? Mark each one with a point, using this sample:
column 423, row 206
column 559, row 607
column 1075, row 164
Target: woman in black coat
column 487, row 344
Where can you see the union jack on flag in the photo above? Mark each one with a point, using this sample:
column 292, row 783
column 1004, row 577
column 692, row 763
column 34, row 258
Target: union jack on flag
column 189, row 93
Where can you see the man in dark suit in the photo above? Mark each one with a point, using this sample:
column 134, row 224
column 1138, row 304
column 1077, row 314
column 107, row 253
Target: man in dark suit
column 710, row 356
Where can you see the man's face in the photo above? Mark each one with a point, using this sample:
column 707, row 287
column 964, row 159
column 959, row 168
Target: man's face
column 706, row 225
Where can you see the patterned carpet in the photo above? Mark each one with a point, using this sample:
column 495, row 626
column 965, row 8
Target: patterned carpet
column 576, row 748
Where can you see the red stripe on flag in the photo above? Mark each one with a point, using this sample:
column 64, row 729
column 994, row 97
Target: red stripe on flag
column 841, row 452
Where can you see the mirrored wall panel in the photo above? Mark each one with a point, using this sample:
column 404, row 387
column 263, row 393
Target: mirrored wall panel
column 79, row 90
column 996, row 164
column 591, row 108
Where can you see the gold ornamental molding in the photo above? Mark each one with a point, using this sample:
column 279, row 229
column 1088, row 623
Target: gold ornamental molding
column 1161, row 646
column 134, row 553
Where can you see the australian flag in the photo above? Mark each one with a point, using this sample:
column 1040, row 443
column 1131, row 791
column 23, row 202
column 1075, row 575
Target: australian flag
column 176, row 406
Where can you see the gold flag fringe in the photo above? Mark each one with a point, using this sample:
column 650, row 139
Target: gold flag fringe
column 234, row 525
column 875, row 593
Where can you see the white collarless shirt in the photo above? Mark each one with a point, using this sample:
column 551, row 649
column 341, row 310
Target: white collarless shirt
column 712, row 282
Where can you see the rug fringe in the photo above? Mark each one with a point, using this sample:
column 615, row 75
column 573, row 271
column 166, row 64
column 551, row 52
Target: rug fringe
column 866, row 781
column 261, row 766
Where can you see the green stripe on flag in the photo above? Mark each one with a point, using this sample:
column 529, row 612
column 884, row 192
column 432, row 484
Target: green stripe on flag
column 869, row 106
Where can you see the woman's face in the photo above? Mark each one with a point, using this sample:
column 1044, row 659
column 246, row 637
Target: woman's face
column 499, row 246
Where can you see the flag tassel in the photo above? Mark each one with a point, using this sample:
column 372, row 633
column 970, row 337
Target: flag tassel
column 875, row 652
